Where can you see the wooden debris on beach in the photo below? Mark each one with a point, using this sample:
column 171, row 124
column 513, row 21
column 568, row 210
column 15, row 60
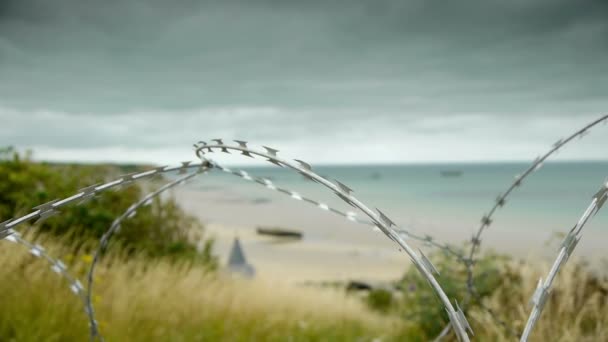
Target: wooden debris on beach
column 279, row 232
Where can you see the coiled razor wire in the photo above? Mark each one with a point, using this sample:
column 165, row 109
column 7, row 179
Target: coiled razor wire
column 378, row 220
column 487, row 219
column 351, row 216
column 468, row 261
column 42, row 212
column 57, row 265
column 566, row 249
column 115, row 228
column 383, row 222
column 49, row 209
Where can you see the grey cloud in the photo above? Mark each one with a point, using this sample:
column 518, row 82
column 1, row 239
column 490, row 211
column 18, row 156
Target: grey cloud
column 150, row 73
column 117, row 56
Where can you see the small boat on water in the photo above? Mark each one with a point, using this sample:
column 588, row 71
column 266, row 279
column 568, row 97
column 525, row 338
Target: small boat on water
column 279, row 232
column 451, row 173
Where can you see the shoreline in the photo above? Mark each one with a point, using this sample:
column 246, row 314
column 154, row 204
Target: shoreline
column 334, row 249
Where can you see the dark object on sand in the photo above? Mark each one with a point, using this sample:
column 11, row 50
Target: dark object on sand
column 237, row 263
column 279, row 232
column 356, row 285
column 451, row 173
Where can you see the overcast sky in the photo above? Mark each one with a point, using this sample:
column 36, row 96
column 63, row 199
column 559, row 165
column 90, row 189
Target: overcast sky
column 326, row 81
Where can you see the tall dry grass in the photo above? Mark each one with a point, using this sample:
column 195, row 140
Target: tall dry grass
column 141, row 299
column 150, row 300
column 577, row 309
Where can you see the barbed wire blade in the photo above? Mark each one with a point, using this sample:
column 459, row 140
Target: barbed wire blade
column 45, row 206
column 243, row 144
column 128, row 179
column 475, row 240
column 558, row 143
column 427, row 263
column 570, row 243
column 76, row 287
column 455, row 322
column 517, row 181
column 538, row 297
column 304, row 164
column 344, row 188
column 271, row 151
column 245, row 175
column 88, row 193
column 486, row 221
column 59, row 267
column 202, row 147
column 601, row 197
column 387, row 221
column 36, row 250
column 500, row 201
column 221, row 142
column 184, row 168
column 4, row 224
column 45, row 215
column 5, row 233
column 160, row 169
column 463, row 319
column 46, row 211
column 351, row 216
column 12, row 237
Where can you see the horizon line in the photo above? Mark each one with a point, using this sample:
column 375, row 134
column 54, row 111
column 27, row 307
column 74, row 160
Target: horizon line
column 351, row 164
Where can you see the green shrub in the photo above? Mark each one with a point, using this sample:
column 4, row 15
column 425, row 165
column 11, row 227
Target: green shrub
column 419, row 303
column 158, row 230
column 380, row 300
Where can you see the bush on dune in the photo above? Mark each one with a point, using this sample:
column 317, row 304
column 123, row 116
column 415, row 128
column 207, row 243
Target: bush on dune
column 577, row 309
column 161, row 229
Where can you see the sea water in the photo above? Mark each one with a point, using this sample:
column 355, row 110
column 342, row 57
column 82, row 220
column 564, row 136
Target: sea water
column 552, row 198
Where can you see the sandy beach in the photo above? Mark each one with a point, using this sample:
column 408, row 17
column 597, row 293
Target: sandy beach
column 333, row 248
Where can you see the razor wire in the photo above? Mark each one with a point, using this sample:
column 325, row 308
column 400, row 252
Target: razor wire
column 351, row 216
column 468, row 261
column 115, row 228
column 380, row 222
column 44, row 211
column 539, row 298
column 49, row 209
column 383, row 222
column 57, row 266
column 501, row 199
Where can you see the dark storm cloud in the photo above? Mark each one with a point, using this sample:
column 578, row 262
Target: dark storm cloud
column 117, row 56
column 309, row 68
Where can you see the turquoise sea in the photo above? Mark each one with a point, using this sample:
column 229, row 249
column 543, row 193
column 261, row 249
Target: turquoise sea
column 552, row 198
